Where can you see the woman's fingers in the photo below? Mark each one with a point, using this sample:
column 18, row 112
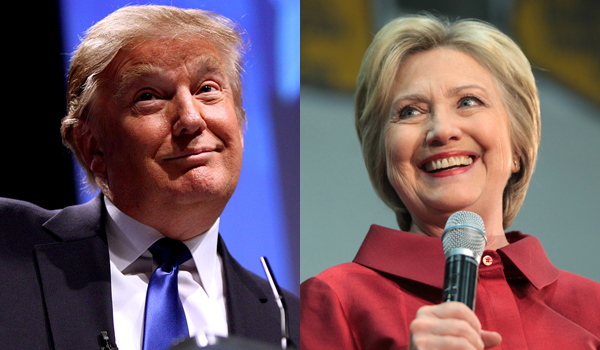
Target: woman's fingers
column 490, row 339
column 450, row 325
column 457, row 332
column 452, row 310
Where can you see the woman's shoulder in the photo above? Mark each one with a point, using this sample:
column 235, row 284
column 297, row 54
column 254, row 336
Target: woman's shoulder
column 329, row 305
column 356, row 306
column 576, row 298
column 339, row 272
column 343, row 276
column 351, row 283
column 577, row 286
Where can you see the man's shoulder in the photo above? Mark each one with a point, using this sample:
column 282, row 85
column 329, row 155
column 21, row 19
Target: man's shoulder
column 291, row 300
column 252, row 310
column 15, row 213
column 266, row 287
column 261, row 282
column 16, row 205
column 29, row 222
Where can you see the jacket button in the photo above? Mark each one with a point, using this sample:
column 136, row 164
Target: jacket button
column 487, row 260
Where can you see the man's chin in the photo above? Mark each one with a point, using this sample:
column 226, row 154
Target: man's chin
column 194, row 191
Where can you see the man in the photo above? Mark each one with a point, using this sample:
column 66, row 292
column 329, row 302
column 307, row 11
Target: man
column 155, row 118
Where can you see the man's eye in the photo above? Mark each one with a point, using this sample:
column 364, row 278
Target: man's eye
column 146, row 96
column 207, row 88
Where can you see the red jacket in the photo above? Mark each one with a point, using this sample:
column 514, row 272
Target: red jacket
column 370, row 302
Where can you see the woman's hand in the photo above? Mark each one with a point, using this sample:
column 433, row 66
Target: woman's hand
column 449, row 325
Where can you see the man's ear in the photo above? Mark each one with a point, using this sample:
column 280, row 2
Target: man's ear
column 90, row 149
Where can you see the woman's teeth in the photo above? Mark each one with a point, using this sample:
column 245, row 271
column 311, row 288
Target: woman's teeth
column 444, row 163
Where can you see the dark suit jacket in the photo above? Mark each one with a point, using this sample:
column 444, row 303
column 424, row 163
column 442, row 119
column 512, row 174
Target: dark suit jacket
column 55, row 282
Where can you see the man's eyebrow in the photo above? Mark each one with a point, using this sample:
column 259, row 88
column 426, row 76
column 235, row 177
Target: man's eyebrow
column 208, row 64
column 126, row 79
column 200, row 67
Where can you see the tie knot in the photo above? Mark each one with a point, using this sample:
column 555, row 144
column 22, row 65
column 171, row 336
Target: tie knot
column 171, row 251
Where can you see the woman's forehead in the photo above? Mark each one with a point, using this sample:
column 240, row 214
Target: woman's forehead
column 441, row 70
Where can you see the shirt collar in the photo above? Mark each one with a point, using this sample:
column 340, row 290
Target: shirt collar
column 421, row 258
column 525, row 256
column 129, row 239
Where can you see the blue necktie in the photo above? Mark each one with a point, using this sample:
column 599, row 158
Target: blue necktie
column 164, row 319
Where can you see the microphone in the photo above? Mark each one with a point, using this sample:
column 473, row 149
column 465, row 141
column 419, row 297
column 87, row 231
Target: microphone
column 464, row 241
column 286, row 341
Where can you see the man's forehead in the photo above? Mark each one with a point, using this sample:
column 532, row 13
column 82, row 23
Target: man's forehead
column 157, row 56
column 194, row 65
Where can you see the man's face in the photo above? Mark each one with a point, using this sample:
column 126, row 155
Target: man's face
column 168, row 132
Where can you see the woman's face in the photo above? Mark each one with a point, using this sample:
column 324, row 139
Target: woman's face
column 448, row 141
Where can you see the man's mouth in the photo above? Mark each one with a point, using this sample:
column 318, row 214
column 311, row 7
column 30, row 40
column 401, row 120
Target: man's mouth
column 192, row 152
column 449, row 163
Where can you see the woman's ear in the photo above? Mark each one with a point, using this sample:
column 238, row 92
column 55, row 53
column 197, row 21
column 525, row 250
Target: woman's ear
column 516, row 164
column 90, row 149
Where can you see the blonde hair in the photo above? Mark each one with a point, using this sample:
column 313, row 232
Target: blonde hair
column 133, row 25
column 495, row 51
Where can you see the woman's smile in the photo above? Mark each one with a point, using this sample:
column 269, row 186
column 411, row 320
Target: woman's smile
column 448, row 163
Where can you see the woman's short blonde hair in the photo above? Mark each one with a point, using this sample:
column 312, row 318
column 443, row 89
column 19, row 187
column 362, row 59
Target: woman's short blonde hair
column 495, row 51
column 132, row 25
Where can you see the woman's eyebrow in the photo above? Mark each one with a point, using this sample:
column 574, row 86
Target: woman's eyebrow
column 411, row 97
column 458, row 89
column 450, row 92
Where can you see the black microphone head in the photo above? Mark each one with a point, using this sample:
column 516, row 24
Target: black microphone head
column 464, row 230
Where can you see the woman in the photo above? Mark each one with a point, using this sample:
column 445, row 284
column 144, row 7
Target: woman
column 448, row 119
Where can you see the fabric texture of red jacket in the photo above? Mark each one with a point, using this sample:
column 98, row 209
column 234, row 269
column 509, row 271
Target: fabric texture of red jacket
column 370, row 302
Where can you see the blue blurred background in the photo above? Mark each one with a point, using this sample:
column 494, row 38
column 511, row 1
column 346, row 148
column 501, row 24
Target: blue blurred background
column 262, row 217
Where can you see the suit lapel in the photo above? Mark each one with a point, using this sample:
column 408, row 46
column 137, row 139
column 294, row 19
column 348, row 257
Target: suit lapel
column 251, row 312
column 75, row 277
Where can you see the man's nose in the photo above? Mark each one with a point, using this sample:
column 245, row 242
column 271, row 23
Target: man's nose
column 443, row 127
column 189, row 117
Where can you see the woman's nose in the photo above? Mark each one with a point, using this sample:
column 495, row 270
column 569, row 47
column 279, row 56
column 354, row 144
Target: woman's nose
column 189, row 115
column 443, row 128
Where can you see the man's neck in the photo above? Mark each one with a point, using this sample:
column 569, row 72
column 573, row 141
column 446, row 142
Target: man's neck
column 180, row 222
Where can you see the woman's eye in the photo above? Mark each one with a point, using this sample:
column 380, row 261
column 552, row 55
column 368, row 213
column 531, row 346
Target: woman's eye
column 469, row 101
column 408, row 112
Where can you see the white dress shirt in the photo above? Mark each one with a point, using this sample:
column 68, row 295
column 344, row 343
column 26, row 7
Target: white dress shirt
column 131, row 265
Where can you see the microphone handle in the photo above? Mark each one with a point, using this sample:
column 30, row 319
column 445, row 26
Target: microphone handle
column 460, row 279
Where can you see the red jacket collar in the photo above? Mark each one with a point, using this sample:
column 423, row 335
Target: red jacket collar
column 420, row 258
column 529, row 259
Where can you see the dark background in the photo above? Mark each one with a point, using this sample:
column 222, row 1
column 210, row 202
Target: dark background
column 36, row 167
